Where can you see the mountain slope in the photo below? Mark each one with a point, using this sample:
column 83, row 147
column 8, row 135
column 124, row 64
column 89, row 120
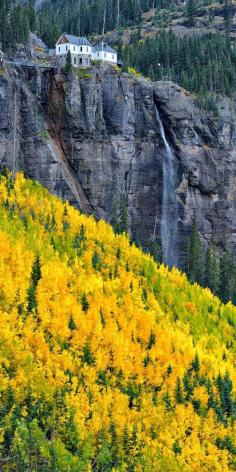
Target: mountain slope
column 124, row 20
column 108, row 361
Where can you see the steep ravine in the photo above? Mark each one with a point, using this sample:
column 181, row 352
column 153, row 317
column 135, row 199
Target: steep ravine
column 96, row 141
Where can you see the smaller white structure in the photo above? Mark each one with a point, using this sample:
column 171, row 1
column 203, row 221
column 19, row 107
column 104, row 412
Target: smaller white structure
column 104, row 53
column 80, row 49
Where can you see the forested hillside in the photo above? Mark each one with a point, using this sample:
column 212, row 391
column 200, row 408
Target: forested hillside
column 202, row 61
column 199, row 64
column 88, row 17
column 108, row 361
column 17, row 19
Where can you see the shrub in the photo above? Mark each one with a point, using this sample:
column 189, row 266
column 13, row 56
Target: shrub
column 84, row 74
column 134, row 72
column 43, row 134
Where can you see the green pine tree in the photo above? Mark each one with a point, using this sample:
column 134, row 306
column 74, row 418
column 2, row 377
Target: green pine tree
column 225, row 277
column 84, row 303
column 196, row 363
column 71, row 324
column 179, row 398
column 68, row 66
column 32, row 15
column 228, row 14
column 96, row 261
column 191, row 9
column 211, row 276
column 194, row 266
column 35, row 277
column 177, row 449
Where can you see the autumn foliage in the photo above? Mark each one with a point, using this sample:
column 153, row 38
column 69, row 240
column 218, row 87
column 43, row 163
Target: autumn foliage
column 108, row 362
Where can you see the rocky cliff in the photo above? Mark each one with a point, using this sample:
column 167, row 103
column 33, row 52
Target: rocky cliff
column 97, row 140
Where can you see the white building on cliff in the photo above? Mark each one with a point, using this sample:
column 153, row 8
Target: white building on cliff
column 103, row 52
column 82, row 51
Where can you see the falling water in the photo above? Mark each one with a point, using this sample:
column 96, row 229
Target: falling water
column 169, row 203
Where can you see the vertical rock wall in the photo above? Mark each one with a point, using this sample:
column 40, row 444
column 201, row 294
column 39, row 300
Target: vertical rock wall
column 95, row 140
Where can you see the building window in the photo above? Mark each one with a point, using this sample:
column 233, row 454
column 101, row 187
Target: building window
column 105, row 55
column 81, row 48
column 112, row 56
column 98, row 54
column 86, row 61
column 59, row 49
column 74, row 60
column 87, row 49
column 66, row 48
column 74, row 48
column 81, row 60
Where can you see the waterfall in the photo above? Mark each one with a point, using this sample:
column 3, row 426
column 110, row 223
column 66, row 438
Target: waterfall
column 169, row 203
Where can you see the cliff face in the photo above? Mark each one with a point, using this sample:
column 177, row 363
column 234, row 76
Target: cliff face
column 100, row 141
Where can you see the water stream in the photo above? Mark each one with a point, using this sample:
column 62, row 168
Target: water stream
column 169, row 203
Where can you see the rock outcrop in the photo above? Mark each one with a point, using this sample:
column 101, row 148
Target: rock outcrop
column 94, row 139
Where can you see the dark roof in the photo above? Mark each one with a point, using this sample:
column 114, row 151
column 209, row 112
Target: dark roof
column 78, row 41
column 104, row 47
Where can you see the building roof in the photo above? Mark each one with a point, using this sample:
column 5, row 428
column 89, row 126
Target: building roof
column 104, row 47
column 77, row 40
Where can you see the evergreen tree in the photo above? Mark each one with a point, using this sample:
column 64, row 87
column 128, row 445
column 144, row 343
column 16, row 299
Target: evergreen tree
column 224, row 385
column 68, row 66
column 51, row 35
column 71, row 324
column 126, row 440
column 32, row 15
column 211, row 276
column 35, row 277
column 152, row 341
column 5, row 28
column 96, row 261
column 187, row 382
column 228, row 14
column 87, row 356
column 191, row 10
column 179, row 392
column 79, row 242
column 177, row 449
column 194, row 266
column 84, row 303
column 233, row 283
column 196, row 364
column 167, row 401
column 225, row 277
column 119, row 215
